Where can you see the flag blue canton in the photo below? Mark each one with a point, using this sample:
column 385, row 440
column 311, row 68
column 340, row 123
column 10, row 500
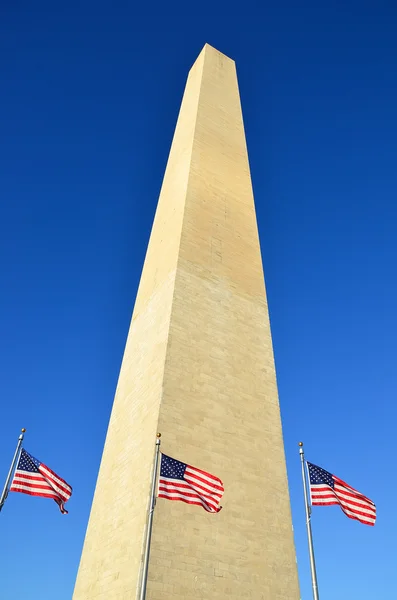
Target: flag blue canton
column 318, row 476
column 27, row 462
column 174, row 469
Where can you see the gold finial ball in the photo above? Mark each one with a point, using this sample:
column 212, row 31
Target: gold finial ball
column 300, row 444
column 23, row 430
column 159, row 435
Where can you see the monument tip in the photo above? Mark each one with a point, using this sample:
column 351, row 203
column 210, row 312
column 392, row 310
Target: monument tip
column 211, row 48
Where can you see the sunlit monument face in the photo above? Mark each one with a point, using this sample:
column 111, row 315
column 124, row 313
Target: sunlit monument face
column 198, row 366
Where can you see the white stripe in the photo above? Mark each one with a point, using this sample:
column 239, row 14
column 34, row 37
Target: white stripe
column 30, row 488
column 347, row 505
column 319, row 492
column 176, row 484
column 210, row 479
column 39, row 484
column 22, row 473
column 362, row 517
column 343, row 490
column 321, row 487
column 361, row 504
column 183, row 490
column 32, row 478
column 172, row 488
column 31, row 482
column 34, row 484
column 205, row 492
column 191, row 485
column 362, row 509
column 339, row 483
column 187, row 498
column 171, row 480
column 319, row 499
column 55, row 479
column 191, row 479
column 357, row 505
column 354, row 511
column 62, row 493
column 176, row 494
column 334, row 501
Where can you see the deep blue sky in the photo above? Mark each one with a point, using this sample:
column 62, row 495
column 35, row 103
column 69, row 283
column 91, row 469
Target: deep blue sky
column 89, row 98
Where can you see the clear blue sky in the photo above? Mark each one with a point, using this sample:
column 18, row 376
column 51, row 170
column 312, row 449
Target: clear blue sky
column 90, row 96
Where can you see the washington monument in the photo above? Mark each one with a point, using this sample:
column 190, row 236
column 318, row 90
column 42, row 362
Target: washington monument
column 199, row 368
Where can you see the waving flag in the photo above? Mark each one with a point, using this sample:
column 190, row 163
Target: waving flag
column 179, row 481
column 34, row 478
column 327, row 489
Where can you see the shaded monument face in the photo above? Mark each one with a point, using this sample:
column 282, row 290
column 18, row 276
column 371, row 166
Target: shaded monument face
column 198, row 366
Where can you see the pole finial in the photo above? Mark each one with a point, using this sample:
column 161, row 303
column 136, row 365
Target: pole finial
column 159, row 435
column 23, row 430
column 300, row 444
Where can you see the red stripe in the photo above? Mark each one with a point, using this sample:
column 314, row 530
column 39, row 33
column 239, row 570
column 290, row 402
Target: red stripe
column 189, row 501
column 60, row 488
column 26, row 475
column 167, row 487
column 342, row 483
column 52, row 496
column 326, row 502
column 213, row 485
column 365, row 518
column 177, row 490
column 30, row 481
column 215, row 479
column 352, row 499
column 180, row 487
column 186, row 498
column 35, row 487
column 332, row 498
column 32, row 493
column 200, row 487
column 357, row 510
column 349, row 502
column 356, row 495
column 188, row 486
column 58, row 481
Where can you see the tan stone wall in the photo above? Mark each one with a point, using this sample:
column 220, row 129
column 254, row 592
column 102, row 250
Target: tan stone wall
column 198, row 366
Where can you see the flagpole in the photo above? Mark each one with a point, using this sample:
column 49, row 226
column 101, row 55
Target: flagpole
column 142, row 595
column 309, row 526
column 4, row 494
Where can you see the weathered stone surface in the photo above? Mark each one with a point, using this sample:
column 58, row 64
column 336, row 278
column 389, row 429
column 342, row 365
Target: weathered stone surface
column 198, row 366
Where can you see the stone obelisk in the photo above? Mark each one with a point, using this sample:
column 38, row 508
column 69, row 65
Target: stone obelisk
column 198, row 367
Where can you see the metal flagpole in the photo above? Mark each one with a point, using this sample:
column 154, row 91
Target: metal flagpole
column 309, row 526
column 4, row 494
column 142, row 595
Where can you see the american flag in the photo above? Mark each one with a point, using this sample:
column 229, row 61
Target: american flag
column 34, row 478
column 327, row 489
column 179, row 481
